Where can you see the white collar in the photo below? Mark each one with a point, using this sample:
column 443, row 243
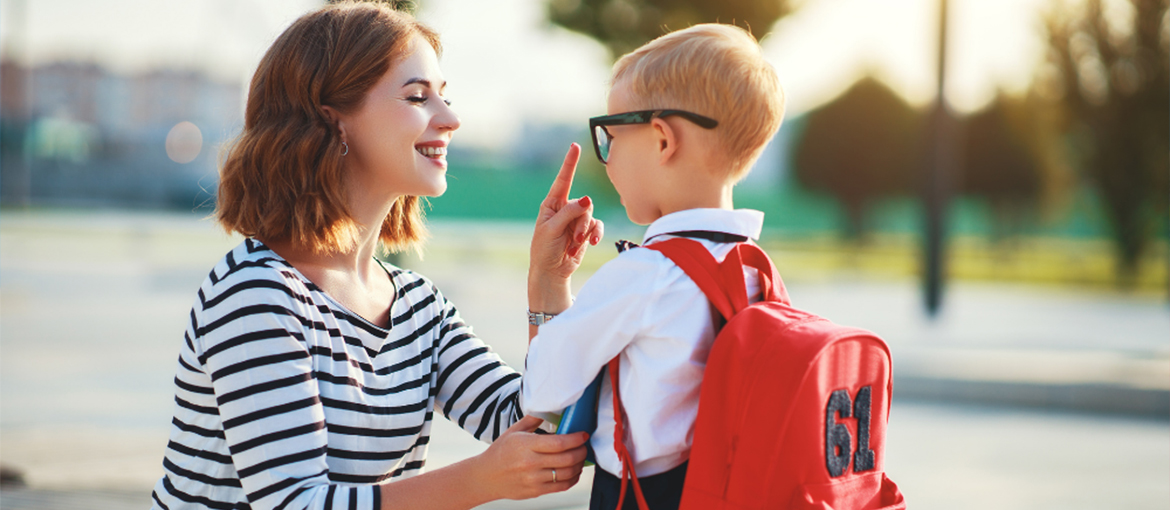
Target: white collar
column 744, row 222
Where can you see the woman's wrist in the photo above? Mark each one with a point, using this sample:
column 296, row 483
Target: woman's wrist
column 459, row 486
column 550, row 296
column 478, row 479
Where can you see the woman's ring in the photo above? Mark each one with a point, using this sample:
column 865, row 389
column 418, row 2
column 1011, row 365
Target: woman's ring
column 554, row 476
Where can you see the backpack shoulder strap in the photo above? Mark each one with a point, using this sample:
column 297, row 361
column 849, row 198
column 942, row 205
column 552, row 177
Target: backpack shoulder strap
column 723, row 284
column 619, row 440
column 751, row 255
column 698, row 263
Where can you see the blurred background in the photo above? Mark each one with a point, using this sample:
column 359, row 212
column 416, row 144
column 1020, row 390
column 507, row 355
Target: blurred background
column 984, row 183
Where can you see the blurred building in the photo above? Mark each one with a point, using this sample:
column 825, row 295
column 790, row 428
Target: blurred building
column 79, row 134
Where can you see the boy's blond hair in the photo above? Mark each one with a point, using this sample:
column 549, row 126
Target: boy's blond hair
column 714, row 70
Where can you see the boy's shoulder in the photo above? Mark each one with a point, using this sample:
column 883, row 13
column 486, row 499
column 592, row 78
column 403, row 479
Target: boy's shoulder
column 633, row 270
column 637, row 257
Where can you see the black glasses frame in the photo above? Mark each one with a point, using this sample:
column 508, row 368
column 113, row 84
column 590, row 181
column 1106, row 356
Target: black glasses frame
column 640, row 117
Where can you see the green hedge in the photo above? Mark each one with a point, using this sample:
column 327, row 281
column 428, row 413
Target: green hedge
column 484, row 191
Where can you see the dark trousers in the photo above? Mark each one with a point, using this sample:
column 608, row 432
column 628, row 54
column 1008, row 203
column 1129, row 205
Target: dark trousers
column 663, row 491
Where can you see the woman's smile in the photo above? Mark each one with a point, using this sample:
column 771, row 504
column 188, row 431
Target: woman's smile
column 435, row 151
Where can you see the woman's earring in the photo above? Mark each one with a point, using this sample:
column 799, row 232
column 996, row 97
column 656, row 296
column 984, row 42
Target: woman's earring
column 346, row 146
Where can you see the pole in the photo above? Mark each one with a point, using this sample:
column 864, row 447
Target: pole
column 938, row 188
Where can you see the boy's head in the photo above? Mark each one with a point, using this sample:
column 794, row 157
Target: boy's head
column 716, row 71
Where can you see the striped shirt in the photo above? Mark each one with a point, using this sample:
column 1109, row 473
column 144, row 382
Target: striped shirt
column 285, row 399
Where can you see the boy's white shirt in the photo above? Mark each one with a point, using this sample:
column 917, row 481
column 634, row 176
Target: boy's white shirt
column 644, row 307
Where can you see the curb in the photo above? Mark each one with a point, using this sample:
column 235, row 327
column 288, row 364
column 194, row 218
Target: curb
column 1087, row 397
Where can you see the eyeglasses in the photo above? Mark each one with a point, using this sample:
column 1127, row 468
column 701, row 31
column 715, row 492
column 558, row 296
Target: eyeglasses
column 602, row 138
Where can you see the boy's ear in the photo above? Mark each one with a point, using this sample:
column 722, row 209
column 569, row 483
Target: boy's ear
column 665, row 138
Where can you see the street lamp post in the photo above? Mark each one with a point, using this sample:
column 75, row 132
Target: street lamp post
column 942, row 166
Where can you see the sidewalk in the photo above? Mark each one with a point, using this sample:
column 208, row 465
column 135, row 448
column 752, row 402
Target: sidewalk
column 92, row 306
column 1014, row 345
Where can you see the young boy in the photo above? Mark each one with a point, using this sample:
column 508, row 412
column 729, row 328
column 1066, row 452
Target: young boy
column 690, row 112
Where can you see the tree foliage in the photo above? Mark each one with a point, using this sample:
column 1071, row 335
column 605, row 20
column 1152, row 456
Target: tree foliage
column 410, row 6
column 1004, row 161
column 863, row 146
column 868, row 145
column 624, row 25
column 1108, row 69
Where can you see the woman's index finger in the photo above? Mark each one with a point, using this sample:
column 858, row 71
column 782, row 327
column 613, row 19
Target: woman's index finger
column 564, row 182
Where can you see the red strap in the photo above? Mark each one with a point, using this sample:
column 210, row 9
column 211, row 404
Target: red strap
column 701, row 267
column 751, row 255
column 723, row 284
column 619, row 440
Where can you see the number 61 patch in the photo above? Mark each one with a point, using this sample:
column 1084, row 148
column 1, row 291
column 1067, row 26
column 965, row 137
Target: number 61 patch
column 838, row 440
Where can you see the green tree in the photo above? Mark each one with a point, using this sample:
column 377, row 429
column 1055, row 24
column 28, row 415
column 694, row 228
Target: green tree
column 624, row 25
column 861, row 147
column 410, row 6
column 1004, row 164
column 1108, row 69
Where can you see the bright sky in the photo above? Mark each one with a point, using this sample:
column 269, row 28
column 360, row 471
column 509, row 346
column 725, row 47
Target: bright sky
column 506, row 66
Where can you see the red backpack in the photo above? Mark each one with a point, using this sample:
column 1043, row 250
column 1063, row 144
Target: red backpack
column 793, row 408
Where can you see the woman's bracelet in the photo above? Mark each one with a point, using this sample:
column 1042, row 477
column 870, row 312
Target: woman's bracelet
column 539, row 319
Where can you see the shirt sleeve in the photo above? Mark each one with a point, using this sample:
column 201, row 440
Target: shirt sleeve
column 251, row 342
column 606, row 316
column 476, row 390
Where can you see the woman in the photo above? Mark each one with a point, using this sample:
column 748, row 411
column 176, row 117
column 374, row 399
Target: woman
column 310, row 372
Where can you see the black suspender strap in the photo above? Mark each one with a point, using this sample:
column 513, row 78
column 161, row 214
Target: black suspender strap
column 717, row 237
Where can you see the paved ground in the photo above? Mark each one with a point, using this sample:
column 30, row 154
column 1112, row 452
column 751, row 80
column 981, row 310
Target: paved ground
column 943, row 457
column 92, row 307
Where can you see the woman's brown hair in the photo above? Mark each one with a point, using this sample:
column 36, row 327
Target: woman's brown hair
column 282, row 177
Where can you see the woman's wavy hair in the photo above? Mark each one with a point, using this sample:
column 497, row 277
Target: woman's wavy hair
column 282, row 178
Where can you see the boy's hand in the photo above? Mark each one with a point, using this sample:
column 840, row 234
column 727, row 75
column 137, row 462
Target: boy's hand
column 563, row 229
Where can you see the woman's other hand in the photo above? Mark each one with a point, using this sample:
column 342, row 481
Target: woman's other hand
column 563, row 229
column 520, row 464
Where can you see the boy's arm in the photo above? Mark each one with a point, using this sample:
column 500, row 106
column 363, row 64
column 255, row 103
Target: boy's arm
column 609, row 313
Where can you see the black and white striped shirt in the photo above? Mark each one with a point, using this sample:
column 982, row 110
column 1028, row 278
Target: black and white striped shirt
column 285, row 399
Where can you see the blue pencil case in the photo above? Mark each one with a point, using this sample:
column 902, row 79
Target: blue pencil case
column 582, row 415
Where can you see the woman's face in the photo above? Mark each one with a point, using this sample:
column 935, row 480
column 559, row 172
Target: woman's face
column 398, row 138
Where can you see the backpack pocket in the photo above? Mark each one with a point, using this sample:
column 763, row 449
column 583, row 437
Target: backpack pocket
column 870, row 491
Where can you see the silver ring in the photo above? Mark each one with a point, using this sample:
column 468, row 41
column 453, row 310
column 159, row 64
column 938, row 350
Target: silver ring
column 346, row 151
column 554, row 476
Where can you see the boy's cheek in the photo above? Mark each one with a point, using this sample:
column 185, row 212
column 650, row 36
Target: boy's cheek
column 620, row 181
column 612, row 170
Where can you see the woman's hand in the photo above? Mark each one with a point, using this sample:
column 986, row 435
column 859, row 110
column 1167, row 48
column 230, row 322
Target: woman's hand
column 519, row 464
column 563, row 229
